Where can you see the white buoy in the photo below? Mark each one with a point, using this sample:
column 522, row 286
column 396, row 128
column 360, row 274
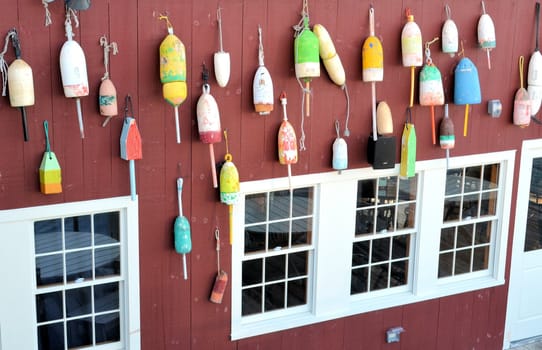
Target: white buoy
column 450, row 41
column 221, row 58
column 262, row 86
column 534, row 74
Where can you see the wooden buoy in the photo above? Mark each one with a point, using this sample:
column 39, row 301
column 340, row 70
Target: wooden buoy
column 50, row 172
column 534, row 74
column 287, row 140
column 431, row 89
column 522, row 101
column 181, row 229
column 411, row 50
column 450, row 35
column 221, row 279
column 446, row 134
column 173, row 72
column 340, row 151
column 486, row 34
column 73, row 70
column 262, row 86
column 466, row 87
column 130, row 143
column 229, row 184
column 384, row 119
column 329, row 55
column 107, row 94
column 221, row 58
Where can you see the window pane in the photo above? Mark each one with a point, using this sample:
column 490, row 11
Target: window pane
column 48, row 236
column 366, row 193
column 533, row 229
column 301, row 231
column 255, row 208
column 408, row 188
column 78, row 266
column 49, row 269
column 77, row 232
column 49, row 306
column 447, row 238
column 406, row 213
column 79, row 332
column 452, row 207
column 297, row 292
column 381, row 250
column 358, row 283
column 107, row 328
column 275, row 268
column 106, row 228
column 462, row 261
column 274, row 296
column 251, row 301
column 303, row 202
column 360, row 253
column 78, row 302
column 483, row 233
column 279, row 235
column 107, row 261
column 279, row 205
column 491, row 176
column 364, row 221
column 489, row 203
column 445, row 264
column 379, row 277
column 387, row 190
column 51, row 336
column 401, row 247
column 297, row 264
column 252, row 272
column 480, row 259
column 399, row 273
column 470, row 206
column 464, row 236
column 472, row 179
column 255, row 238
column 385, row 218
column 106, row 297
column 454, row 179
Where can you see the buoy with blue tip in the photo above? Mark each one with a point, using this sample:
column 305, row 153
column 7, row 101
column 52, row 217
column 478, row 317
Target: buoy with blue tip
column 466, row 87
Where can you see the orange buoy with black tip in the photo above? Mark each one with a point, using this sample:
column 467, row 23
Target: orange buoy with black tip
column 20, row 82
column 107, row 95
column 221, row 280
column 486, row 34
column 173, row 72
column 522, row 101
column 411, row 49
column 287, row 141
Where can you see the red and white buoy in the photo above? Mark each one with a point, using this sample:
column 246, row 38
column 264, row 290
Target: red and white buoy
column 73, row 70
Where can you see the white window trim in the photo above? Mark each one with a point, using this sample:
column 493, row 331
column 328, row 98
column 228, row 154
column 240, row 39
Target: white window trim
column 25, row 217
column 332, row 297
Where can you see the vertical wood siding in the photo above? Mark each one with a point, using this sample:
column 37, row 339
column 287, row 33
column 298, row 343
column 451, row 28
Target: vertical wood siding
column 175, row 313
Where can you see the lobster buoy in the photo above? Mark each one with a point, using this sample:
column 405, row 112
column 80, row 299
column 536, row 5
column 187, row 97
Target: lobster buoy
column 262, row 86
column 384, row 120
column 486, row 34
column 181, row 229
column 173, row 72
column 466, row 87
column 329, row 56
column 306, row 55
column 446, row 134
column 287, row 140
column 20, row 82
column 221, row 58
column 522, row 101
column 107, row 94
column 340, row 151
column 411, row 49
column 450, row 35
column 208, row 116
column 534, row 74
column 229, row 184
column 73, row 70
column 431, row 89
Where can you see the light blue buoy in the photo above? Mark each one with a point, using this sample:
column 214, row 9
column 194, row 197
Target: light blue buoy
column 466, row 87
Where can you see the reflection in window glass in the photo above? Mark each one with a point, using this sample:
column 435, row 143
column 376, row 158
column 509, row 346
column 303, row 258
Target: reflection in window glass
column 48, row 236
column 533, row 229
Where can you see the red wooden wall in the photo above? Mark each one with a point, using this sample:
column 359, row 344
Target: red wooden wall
column 175, row 314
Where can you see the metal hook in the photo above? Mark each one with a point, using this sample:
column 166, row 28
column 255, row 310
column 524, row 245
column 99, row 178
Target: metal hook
column 128, row 105
column 448, row 11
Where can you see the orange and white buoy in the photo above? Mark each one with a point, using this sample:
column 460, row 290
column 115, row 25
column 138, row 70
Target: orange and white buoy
column 262, row 86
column 107, row 95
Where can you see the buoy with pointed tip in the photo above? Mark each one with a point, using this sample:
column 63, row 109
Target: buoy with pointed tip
column 431, row 89
column 130, row 143
column 221, row 58
column 411, row 49
column 522, row 102
column 208, row 116
column 450, row 35
column 20, row 82
column 173, row 72
column 262, row 85
column 534, row 74
column 287, row 140
column 466, row 87
column 486, row 34
column 73, row 70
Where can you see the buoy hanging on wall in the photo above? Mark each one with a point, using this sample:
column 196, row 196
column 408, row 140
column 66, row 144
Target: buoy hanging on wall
column 130, row 143
column 181, row 229
column 262, row 86
column 522, row 102
column 411, row 49
column 534, row 74
column 450, row 35
column 486, row 34
column 50, row 172
column 431, row 89
column 446, row 134
column 221, row 58
column 287, row 141
column 107, row 95
column 173, row 72
column 73, row 70
column 466, row 87
column 20, row 82
column 340, row 151
column 229, row 184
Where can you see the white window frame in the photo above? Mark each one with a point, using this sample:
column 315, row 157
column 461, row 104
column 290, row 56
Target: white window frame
column 21, row 222
column 329, row 288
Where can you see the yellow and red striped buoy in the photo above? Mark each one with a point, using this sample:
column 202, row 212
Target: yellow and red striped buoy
column 173, row 72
